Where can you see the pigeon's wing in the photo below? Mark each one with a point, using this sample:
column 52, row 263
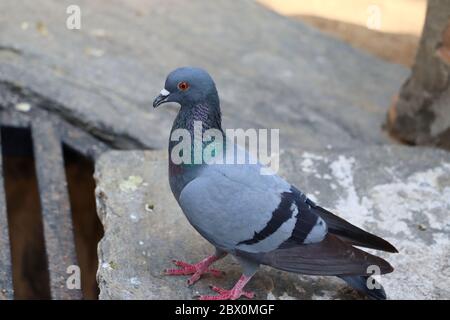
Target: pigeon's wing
column 330, row 257
column 237, row 208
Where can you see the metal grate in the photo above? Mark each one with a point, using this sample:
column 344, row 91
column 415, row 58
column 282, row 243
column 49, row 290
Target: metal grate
column 49, row 132
column 6, row 285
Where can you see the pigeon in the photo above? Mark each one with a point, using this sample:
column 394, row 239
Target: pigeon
column 259, row 219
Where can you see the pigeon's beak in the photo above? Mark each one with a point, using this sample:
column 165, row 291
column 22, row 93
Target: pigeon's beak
column 161, row 98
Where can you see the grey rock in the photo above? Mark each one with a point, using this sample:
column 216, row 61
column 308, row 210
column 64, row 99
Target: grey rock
column 271, row 71
column 399, row 193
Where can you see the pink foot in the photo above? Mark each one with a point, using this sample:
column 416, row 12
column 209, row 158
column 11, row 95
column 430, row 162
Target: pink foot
column 197, row 270
column 232, row 294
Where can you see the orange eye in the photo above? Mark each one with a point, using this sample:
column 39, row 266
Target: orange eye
column 183, row 86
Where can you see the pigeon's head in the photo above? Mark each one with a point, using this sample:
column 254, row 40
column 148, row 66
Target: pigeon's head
column 188, row 86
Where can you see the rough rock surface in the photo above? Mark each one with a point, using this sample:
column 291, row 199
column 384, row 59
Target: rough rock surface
column 400, row 193
column 104, row 76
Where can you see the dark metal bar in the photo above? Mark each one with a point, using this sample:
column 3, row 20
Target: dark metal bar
column 76, row 138
column 56, row 214
column 6, row 284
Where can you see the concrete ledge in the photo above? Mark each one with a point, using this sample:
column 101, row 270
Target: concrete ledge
column 402, row 194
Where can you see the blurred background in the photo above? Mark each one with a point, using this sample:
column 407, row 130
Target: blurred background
column 394, row 37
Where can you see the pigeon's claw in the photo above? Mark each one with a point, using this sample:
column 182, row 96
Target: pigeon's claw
column 185, row 269
column 197, row 275
column 216, row 273
column 183, row 264
column 232, row 294
column 197, row 270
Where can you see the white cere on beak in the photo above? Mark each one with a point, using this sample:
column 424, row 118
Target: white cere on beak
column 164, row 92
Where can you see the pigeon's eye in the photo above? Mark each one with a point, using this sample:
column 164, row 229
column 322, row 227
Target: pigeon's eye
column 183, row 86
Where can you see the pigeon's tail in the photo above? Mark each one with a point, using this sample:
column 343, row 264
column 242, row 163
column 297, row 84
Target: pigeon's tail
column 330, row 257
column 352, row 234
column 359, row 283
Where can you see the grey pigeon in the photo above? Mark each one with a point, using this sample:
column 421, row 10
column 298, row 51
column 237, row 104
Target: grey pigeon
column 259, row 219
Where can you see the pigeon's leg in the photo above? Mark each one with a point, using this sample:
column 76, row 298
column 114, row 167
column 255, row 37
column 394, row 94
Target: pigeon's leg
column 197, row 269
column 250, row 269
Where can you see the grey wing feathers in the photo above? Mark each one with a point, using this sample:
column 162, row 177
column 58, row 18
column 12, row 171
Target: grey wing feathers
column 228, row 205
column 307, row 227
column 236, row 207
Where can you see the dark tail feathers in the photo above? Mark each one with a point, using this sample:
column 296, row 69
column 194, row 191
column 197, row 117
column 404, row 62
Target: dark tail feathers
column 350, row 233
column 359, row 283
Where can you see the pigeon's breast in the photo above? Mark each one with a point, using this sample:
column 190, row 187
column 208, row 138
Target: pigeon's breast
column 180, row 175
